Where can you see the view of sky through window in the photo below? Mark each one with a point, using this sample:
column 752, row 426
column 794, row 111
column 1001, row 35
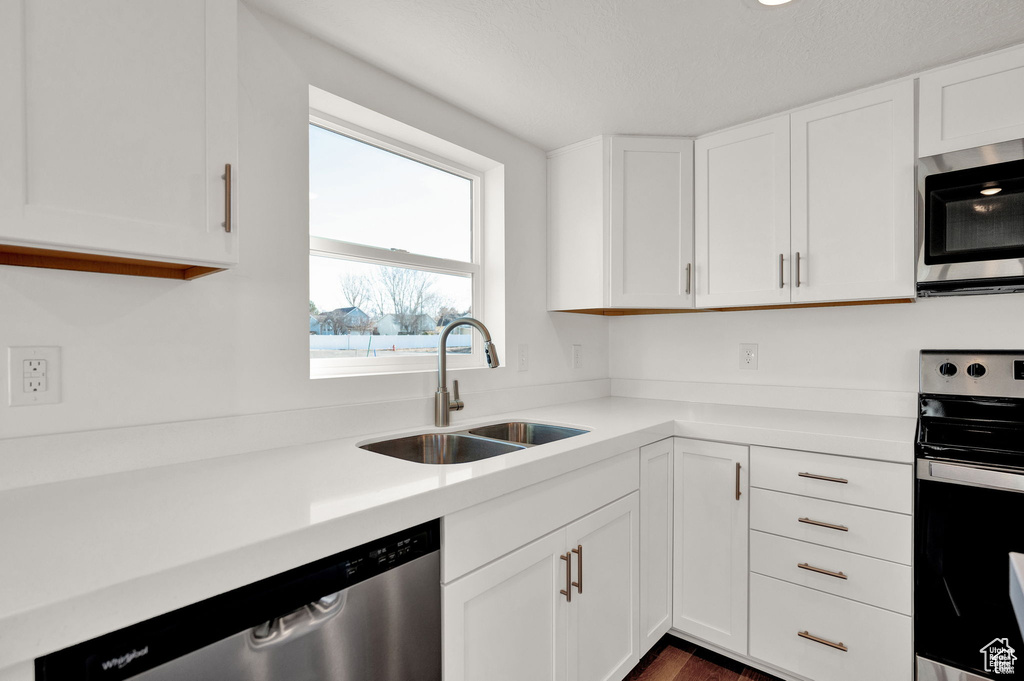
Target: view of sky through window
column 365, row 195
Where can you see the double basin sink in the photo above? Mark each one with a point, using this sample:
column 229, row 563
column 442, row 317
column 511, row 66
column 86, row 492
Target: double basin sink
column 472, row 444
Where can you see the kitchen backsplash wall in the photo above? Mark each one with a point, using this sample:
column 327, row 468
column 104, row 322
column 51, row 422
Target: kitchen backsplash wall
column 140, row 351
column 872, row 347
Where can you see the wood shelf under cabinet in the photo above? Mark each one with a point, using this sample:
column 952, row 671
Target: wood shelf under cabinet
column 620, row 312
column 21, row 256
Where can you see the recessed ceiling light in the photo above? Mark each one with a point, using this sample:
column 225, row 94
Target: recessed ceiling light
column 991, row 190
column 772, row 3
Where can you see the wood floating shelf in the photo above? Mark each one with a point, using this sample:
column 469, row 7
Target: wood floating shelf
column 621, row 312
column 21, row 256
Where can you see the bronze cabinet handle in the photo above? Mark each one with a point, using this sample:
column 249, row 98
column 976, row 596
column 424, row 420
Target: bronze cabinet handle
column 567, row 591
column 798, row 269
column 579, row 557
column 812, row 476
column 841, row 528
column 782, row 283
column 227, row 197
column 821, row 571
column 825, row 642
column 738, row 493
column 688, row 278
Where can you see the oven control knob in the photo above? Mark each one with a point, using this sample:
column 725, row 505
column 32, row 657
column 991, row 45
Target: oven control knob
column 976, row 370
column 947, row 369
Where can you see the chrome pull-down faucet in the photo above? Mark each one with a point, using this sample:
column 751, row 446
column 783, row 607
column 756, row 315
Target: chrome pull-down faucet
column 443, row 403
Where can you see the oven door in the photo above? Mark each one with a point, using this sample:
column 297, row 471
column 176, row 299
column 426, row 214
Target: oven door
column 968, row 519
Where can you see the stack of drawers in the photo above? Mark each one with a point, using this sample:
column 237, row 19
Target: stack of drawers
column 830, row 555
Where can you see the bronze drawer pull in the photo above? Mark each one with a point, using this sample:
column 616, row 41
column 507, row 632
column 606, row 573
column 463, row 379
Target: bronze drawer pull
column 830, row 644
column 822, row 571
column 812, row 476
column 579, row 557
column 841, row 528
column 567, row 591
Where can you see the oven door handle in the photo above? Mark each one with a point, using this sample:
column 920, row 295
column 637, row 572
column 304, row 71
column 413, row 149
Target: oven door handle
column 974, row 476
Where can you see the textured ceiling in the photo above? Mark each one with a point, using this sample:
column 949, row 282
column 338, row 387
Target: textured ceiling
column 558, row 71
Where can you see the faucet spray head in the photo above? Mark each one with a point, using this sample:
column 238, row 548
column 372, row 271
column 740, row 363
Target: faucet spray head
column 491, row 355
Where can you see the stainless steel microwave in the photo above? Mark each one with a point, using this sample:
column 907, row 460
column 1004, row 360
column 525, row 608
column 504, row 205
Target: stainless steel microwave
column 971, row 221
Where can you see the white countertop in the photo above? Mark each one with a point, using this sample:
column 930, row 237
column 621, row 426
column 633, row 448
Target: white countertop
column 89, row 556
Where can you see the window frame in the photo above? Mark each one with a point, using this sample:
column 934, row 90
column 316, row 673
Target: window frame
column 394, row 257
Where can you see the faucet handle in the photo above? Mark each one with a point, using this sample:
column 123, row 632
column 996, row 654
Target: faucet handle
column 456, row 404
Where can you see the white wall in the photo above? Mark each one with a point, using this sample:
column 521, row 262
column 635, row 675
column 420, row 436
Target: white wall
column 140, row 351
column 872, row 347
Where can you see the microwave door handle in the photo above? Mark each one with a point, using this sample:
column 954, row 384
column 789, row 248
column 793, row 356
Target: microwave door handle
column 974, row 476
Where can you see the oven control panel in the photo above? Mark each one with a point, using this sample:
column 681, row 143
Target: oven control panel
column 989, row 373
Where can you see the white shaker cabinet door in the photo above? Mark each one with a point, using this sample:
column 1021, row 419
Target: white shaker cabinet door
column 853, row 197
column 741, row 204
column 973, row 103
column 507, row 620
column 656, row 494
column 604, row 615
column 710, row 550
column 117, row 120
column 651, row 239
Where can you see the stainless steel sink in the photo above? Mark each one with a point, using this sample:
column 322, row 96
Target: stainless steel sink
column 441, row 448
column 526, row 433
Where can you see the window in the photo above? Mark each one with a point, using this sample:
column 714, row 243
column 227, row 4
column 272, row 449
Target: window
column 394, row 240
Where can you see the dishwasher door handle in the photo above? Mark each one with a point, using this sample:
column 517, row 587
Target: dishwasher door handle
column 298, row 622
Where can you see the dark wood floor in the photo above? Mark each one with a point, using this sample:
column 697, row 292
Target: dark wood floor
column 673, row 659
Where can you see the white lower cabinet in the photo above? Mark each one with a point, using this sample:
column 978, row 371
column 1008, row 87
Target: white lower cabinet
column 710, row 542
column 507, row 621
column 825, row 637
column 656, row 492
column 563, row 607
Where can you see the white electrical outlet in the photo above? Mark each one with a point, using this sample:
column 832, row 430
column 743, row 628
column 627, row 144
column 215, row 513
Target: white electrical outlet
column 748, row 355
column 33, row 376
column 577, row 356
column 524, row 356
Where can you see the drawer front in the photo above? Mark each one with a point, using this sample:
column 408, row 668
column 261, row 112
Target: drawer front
column 878, row 643
column 851, row 528
column 850, row 575
column 481, row 533
column 877, row 484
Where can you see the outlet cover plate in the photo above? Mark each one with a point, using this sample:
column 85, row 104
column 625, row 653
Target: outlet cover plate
column 26, row 387
column 748, row 356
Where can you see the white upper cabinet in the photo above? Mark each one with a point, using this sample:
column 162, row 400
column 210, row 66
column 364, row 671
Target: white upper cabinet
column 853, row 197
column 116, row 121
column 741, row 202
column 620, row 227
column 973, row 103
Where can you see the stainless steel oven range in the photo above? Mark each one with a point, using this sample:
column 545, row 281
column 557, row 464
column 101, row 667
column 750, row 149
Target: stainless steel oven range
column 371, row 612
column 969, row 514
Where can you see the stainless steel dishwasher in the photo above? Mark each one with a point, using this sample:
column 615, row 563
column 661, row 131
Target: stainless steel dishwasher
column 371, row 613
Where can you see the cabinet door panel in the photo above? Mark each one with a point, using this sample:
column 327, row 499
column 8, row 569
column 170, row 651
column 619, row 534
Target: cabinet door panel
column 853, row 197
column 130, row 114
column 741, row 201
column 973, row 103
column 507, row 620
column 710, row 549
column 651, row 221
column 605, row 610
column 655, row 542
